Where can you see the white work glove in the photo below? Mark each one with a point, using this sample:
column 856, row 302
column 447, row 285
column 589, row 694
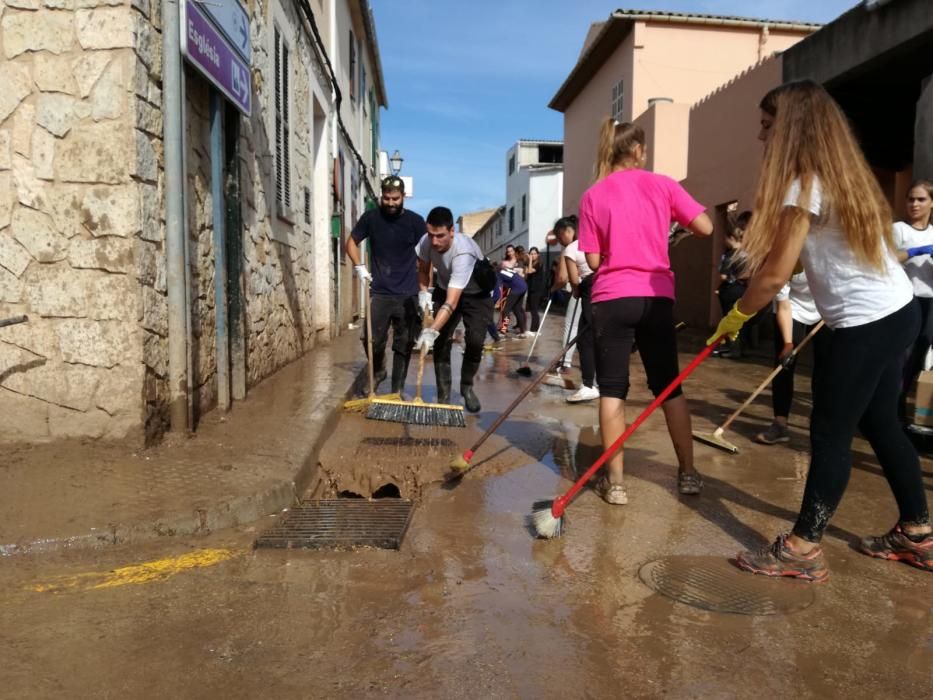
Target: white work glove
column 426, row 340
column 362, row 273
column 425, row 302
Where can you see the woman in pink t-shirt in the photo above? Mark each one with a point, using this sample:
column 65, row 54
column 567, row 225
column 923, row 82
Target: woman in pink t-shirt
column 625, row 221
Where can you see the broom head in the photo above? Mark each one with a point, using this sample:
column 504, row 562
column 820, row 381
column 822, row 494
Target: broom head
column 417, row 413
column 715, row 439
column 543, row 522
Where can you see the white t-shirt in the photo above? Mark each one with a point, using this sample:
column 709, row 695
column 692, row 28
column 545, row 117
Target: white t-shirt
column 802, row 306
column 847, row 292
column 455, row 265
column 572, row 251
column 920, row 268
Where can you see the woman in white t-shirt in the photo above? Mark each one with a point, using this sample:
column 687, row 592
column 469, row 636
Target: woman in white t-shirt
column 914, row 241
column 818, row 202
column 580, row 275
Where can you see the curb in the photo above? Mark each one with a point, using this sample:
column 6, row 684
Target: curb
column 318, row 425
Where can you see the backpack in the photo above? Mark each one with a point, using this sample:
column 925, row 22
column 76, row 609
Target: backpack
column 484, row 274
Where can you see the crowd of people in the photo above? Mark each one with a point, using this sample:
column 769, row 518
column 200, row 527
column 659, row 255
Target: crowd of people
column 818, row 247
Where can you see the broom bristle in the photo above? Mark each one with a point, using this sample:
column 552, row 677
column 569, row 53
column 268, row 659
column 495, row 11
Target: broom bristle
column 415, row 413
column 543, row 522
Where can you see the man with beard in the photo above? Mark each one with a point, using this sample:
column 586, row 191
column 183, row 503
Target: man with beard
column 458, row 295
column 392, row 232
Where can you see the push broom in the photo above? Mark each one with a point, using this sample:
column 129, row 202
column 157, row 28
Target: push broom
column 525, row 370
column 547, row 517
column 360, row 405
column 715, row 438
column 416, row 411
column 461, row 463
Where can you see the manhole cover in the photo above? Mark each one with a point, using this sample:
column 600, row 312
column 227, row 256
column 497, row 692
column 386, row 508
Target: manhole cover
column 341, row 523
column 713, row 583
column 410, row 445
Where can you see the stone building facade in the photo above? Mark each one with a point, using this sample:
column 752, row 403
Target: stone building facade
column 82, row 210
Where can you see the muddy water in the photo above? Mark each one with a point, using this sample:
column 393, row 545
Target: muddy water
column 473, row 605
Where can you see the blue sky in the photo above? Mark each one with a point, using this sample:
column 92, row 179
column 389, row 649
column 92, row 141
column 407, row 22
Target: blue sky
column 467, row 79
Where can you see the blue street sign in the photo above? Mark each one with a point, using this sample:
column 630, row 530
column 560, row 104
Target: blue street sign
column 208, row 51
column 231, row 18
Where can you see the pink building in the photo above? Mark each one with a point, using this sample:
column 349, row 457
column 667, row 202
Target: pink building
column 637, row 60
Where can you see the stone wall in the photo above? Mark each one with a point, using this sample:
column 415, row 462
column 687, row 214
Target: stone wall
column 77, row 196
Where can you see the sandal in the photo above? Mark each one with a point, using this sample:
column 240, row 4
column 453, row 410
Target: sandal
column 689, row 483
column 613, row 494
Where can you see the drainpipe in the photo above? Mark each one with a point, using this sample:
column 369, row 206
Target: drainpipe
column 763, row 41
column 335, row 151
column 176, row 276
column 222, row 340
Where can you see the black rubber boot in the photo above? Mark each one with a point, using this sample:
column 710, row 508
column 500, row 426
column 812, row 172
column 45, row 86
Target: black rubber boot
column 467, row 373
column 399, row 372
column 442, row 375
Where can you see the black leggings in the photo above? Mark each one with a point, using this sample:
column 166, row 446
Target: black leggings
column 650, row 322
column 782, row 388
column 586, row 340
column 515, row 304
column 918, row 351
column 534, row 309
column 857, row 386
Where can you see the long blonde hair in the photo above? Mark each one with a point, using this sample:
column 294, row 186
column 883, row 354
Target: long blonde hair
column 617, row 141
column 811, row 138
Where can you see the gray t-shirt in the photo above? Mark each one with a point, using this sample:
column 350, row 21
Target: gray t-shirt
column 454, row 266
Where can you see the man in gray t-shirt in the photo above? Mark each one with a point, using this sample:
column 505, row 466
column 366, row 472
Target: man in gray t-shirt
column 456, row 296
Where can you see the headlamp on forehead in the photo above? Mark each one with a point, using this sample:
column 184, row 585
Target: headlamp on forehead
column 393, row 182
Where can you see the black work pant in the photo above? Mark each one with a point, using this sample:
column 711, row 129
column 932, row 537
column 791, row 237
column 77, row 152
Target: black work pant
column 918, row 351
column 649, row 321
column 782, row 389
column 399, row 312
column 534, row 309
column 857, row 387
column 515, row 304
column 476, row 313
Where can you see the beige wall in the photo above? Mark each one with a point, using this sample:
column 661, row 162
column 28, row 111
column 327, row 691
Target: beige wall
column 667, row 127
column 683, row 63
column 724, row 157
column 582, row 120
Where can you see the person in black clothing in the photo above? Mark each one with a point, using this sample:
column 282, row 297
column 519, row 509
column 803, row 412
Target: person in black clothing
column 537, row 287
column 392, row 232
column 733, row 281
column 515, row 301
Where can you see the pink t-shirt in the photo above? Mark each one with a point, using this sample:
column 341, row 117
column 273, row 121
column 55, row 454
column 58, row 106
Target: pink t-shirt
column 627, row 217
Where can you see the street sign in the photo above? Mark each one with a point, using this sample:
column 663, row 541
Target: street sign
column 208, row 51
column 231, row 18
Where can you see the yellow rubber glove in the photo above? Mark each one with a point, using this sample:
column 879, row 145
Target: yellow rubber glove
column 730, row 325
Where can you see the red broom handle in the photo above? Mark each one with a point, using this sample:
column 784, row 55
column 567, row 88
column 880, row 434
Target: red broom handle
column 557, row 510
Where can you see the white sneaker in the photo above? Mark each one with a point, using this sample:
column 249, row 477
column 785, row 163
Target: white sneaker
column 584, row 393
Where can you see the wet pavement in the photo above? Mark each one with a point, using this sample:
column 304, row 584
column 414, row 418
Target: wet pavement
column 472, row 603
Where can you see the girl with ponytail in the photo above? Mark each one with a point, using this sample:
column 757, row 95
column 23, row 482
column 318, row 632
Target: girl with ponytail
column 625, row 220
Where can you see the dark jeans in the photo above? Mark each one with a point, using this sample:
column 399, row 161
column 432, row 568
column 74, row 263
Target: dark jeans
column 476, row 313
column 534, row 309
column 399, row 312
column 515, row 304
column 857, row 387
column 918, row 351
column 650, row 322
column 782, row 389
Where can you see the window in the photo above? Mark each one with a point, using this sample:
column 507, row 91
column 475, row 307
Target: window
column 352, row 68
column 283, row 176
column 524, row 208
column 362, row 82
column 511, row 164
column 511, row 218
column 618, row 101
column 550, row 153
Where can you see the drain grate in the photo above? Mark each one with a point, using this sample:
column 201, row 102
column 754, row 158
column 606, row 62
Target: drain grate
column 714, row 584
column 410, row 445
column 341, row 524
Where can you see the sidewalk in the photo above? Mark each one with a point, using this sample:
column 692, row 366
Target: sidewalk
column 235, row 469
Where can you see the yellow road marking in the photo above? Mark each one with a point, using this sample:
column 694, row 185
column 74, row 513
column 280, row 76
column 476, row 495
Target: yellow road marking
column 147, row 572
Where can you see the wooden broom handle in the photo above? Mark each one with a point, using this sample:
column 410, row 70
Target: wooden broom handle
column 770, row 377
column 369, row 340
